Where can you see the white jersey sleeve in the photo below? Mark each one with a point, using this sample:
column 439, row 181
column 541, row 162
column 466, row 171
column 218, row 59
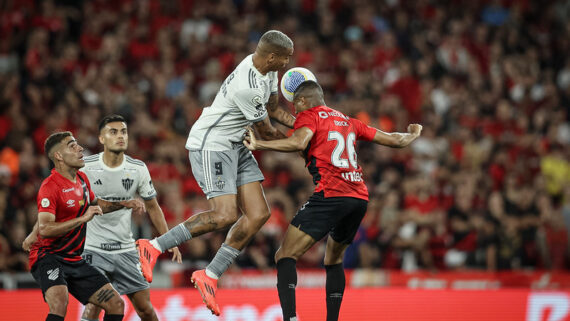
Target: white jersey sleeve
column 145, row 189
column 250, row 102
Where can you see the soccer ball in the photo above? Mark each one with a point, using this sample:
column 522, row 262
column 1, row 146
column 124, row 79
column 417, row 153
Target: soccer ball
column 292, row 79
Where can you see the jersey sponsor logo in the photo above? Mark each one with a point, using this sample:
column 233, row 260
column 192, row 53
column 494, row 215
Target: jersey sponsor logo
column 340, row 123
column 127, row 183
column 334, row 113
column 353, row 176
column 45, row 202
column 110, row 246
column 98, row 182
column 53, row 274
column 67, row 190
column 70, row 203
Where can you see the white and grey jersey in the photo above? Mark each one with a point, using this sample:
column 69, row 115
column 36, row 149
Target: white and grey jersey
column 241, row 101
column 112, row 231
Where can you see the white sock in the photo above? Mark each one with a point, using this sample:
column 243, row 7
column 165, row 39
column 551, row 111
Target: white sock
column 211, row 274
column 154, row 243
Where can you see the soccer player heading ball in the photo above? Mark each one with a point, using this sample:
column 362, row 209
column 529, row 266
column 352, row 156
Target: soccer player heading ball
column 328, row 139
column 226, row 170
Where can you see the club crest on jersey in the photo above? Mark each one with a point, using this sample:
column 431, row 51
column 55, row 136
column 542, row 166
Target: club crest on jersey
column 128, row 183
column 45, row 202
column 53, row 274
column 219, row 183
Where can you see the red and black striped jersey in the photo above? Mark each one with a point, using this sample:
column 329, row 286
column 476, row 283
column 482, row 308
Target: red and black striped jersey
column 331, row 154
column 66, row 200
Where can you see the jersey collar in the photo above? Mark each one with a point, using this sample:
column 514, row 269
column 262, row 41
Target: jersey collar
column 112, row 169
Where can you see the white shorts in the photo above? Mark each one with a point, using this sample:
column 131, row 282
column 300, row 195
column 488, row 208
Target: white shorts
column 222, row 172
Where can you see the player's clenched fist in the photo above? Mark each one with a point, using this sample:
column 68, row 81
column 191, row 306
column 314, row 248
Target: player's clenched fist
column 91, row 212
column 415, row 129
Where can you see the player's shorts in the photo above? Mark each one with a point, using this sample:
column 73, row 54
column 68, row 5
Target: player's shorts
column 122, row 269
column 82, row 280
column 222, row 172
column 339, row 216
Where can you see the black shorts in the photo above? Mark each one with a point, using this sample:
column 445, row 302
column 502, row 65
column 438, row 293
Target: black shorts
column 339, row 216
column 81, row 279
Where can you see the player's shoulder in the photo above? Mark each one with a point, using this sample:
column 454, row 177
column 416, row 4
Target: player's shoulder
column 130, row 161
column 91, row 158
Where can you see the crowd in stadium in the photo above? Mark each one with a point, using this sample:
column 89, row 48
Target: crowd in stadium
column 487, row 186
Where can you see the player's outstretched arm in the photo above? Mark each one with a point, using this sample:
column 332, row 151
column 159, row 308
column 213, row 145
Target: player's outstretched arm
column 267, row 131
column 297, row 142
column 157, row 217
column 398, row 140
column 48, row 227
column 279, row 114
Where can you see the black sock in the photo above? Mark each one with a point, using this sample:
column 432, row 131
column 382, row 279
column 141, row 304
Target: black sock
column 335, row 290
column 113, row 317
column 286, row 284
column 54, row 317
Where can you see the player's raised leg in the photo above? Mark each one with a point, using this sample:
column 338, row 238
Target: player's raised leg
column 224, row 213
column 255, row 211
column 295, row 244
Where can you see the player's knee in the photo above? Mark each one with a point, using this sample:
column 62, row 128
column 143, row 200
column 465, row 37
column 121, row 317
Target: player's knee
column 227, row 215
column 262, row 216
column 146, row 312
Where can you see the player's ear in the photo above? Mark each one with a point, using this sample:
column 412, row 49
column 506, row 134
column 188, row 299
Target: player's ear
column 101, row 139
column 57, row 155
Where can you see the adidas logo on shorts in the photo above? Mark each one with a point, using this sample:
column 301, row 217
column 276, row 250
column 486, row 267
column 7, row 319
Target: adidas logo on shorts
column 53, row 274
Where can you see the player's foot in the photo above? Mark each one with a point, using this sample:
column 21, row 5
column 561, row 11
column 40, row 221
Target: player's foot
column 147, row 255
column 207, row 288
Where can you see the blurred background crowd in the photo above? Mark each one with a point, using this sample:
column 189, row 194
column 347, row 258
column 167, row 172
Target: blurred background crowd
column 487, row 186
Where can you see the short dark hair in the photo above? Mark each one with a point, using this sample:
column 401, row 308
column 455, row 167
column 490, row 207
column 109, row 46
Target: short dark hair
column 308, row 85
column 110, row 119
column 275, row 41
column 53, row 140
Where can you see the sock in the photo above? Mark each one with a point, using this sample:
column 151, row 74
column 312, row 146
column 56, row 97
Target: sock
column 113, row 317
column 54, row 317
column 335, row 290
column 286, row 284
column 222, row 261
column 172, row 238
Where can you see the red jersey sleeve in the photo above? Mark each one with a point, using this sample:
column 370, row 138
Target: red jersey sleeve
column 47, row 201
column 306, row 119
column 363, row 131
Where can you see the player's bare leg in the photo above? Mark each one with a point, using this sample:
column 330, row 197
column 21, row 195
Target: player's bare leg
column 109, row 300
column 91, row 312
column 57, row 298
column 335, row 277
column 253, row 205
column 141, row 303
column 295, row 244
column 223, row 213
